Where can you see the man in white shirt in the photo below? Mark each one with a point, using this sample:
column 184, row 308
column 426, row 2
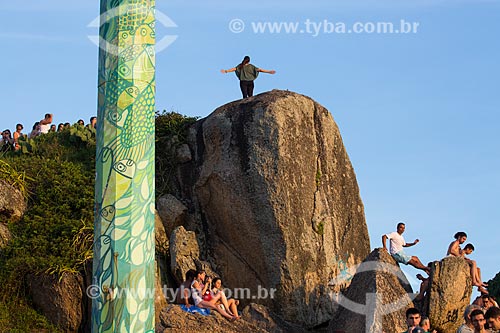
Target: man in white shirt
column 397, row 243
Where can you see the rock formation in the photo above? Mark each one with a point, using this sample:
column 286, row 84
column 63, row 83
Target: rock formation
column 378, row 296
column 276, row 200
column 449, row 293
column 255, row 319
column 12, row 203
column 60, row 300
column 171, row 211
column 161, row 272
column 5, row 235
column 184, row 250
column 12, row 207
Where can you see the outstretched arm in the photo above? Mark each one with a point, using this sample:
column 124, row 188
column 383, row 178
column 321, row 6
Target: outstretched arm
column 224, row 71
column 411, row 244
column 46, row 121
column 266, row 71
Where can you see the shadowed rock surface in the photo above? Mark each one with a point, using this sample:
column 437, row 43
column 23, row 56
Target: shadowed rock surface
column 171, row 211
column 60, row 300
column 12, row 207
column 5, row 235
column 449, row 293
column 276, row 200
column 379, row 276
column 184, row 250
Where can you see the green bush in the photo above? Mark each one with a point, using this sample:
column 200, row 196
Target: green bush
column 171, row 131
column 56, row 171
column 60, row 204
column 19, row 317
column 494, row 287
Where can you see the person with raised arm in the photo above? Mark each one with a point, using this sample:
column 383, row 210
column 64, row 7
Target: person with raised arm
column 247, row 73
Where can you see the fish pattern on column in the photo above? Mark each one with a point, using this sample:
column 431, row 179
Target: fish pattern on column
column 123, row 270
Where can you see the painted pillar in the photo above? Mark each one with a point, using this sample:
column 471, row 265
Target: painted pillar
column 123, row 270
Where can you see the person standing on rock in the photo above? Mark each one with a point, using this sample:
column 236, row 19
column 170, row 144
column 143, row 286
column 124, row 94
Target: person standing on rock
column 396, row 250
column 247, row 73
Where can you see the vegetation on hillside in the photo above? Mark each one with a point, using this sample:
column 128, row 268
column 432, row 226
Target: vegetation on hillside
column 494, row 287
column 171, row 132
column 56, row 173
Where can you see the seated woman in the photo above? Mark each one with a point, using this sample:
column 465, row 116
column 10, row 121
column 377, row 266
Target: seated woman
column 198, row 289
column 217, row 289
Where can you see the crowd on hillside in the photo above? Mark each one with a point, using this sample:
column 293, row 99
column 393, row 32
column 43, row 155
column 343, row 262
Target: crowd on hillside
column 10, row 142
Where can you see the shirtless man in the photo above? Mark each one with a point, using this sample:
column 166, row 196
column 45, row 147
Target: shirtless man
column 45, row 123
column 455, row 250
column 396, row 250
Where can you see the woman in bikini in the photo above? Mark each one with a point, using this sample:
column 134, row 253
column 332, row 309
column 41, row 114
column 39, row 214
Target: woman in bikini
column 198, row 289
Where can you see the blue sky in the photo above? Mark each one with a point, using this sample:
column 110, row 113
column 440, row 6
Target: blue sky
column 419, row 113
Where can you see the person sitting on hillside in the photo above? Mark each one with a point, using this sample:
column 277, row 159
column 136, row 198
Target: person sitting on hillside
column 52, row 128
column 7, row 142
column 93, row 122
column 467, row 327
column 198, row 289
column 397, row 243
column 232, row 303
column 60, row 127
column 183, row 295
column 35, row 131
column 18, row 134
column 45, row 123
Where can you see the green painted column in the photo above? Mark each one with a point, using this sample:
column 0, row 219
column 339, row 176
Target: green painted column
column 123, row 270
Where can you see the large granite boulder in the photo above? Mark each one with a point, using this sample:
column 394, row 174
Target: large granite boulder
column 449, row 293
column 59, row 299
column 277, row 201
column 12, row 202
column 378, row 297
